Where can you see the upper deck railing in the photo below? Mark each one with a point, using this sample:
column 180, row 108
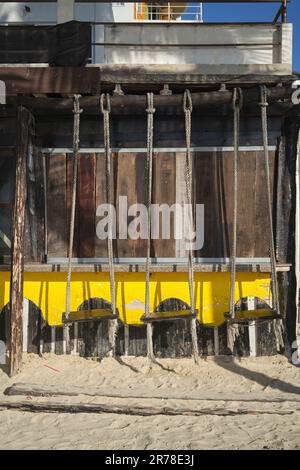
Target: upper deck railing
column 223, row 47
column 170, row 11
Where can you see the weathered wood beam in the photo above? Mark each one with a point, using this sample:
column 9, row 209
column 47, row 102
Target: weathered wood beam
column 32, row 79
column 24, row 132
column 39, row 407
column 38, row 390
column 125, row 103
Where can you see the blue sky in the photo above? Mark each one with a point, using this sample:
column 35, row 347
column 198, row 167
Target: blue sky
column 234, row 12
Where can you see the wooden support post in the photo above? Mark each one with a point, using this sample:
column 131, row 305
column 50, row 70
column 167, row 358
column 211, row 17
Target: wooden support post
column 284, row 12
column 126, row 340
column 286, row 227
column 24, row 126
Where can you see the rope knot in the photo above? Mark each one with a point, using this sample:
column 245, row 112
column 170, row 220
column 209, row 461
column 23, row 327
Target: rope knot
column 76, row 105
column 105, row 103
column 263, row 96
column 237, row 98
column 187, row 101
column 150, row 103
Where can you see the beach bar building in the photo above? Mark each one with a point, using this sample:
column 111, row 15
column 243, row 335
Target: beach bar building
column 136, row 108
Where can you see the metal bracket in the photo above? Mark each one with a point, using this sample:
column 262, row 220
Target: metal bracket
column 165, row 91
column 118, row 90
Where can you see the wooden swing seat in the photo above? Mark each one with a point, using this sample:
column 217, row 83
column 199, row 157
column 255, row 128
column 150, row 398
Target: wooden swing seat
column 259, row 314
column 89, row 315
column 171, row 315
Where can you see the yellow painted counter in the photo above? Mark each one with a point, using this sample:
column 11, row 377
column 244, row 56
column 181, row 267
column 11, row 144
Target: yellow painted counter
column 48, row 292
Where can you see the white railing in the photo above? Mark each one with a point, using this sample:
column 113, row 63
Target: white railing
column 170, row 11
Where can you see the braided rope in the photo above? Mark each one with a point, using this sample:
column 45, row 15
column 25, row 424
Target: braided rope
column 105, row 110
column 187, row 109
column 150, row 112
column 236, row 104
column 76, row 130
column 76, row 142
column 264, row 121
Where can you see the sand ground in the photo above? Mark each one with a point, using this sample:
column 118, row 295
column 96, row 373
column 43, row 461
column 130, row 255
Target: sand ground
column 224, row 382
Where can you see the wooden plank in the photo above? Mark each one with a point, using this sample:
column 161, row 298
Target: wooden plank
column 100, row 195
column 69, row 189
column 31, row 79
column 210, row 191
column 214, row 189
column 246, row 216
column 141, row 197
column 131, row 184
column 129, row 132
column 262, row 230
column 40, row 390
column 7, row 183
column 51, row 407
column 86, row 202
column 56, row 203
column 125, row 187
column 24, row 126
column 35, row 208
column 164, row 192
column 180, row 245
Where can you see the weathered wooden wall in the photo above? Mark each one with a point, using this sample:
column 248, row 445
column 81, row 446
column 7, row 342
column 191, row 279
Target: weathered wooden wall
column 213, row 182
column 212, row 188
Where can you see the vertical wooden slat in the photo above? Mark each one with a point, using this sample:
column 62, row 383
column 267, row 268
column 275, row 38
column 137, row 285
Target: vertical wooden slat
column 131, row 183
column 180, row 244
column 35, row 210
column 69, row 189
column 164, row 192
column 56, row 205
column 86, row 200
column 246, row 209
column 24, row 132
column 100, row 196
column 207, row 193
column 141, row 198
column 126, row 187
column 224, row 178
column 262, row 230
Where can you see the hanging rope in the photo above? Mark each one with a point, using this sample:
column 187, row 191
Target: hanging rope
column 237, row 99
column 150, row 112
column 187, row 109
column 263, row 104
column 76, row 130
column 105, row 110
